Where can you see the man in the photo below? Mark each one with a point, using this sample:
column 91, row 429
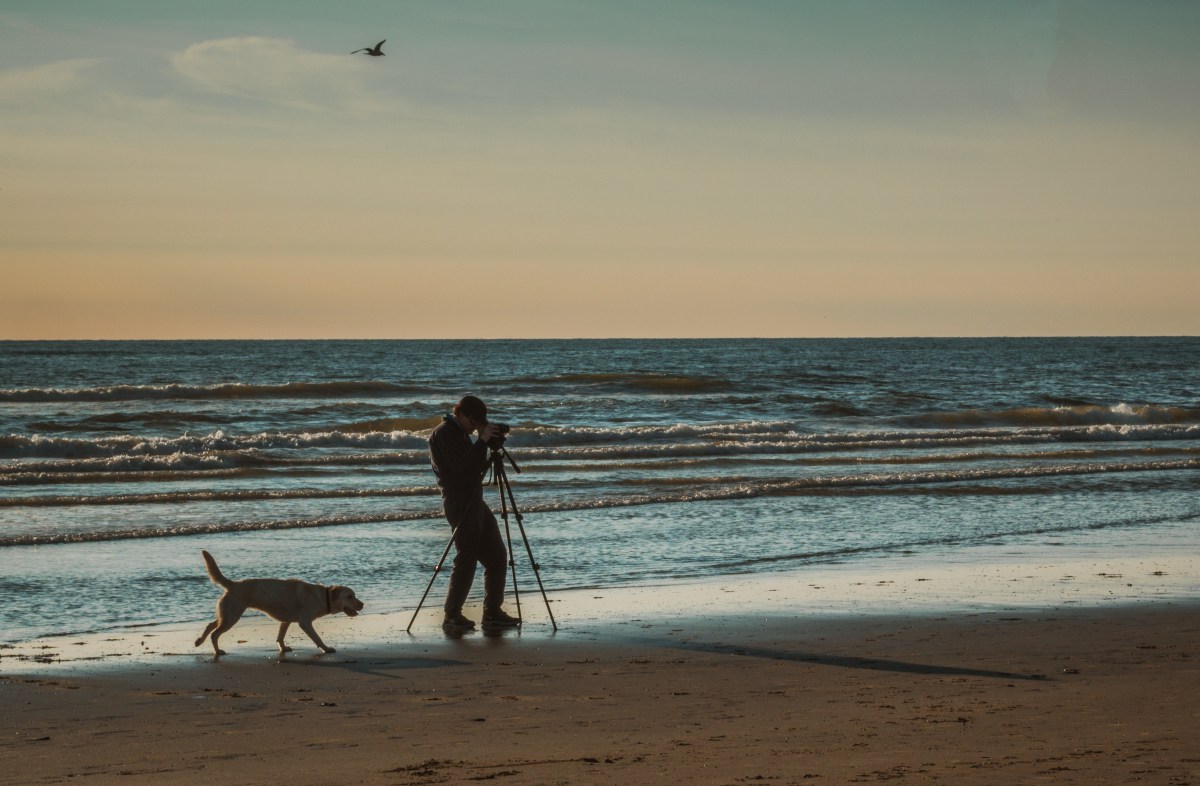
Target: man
column 459, row 465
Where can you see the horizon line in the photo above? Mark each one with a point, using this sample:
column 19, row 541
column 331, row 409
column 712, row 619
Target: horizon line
column 622, row 338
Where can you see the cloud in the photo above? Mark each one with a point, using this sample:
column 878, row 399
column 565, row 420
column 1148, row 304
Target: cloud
column 277, row 71
column 51, row 79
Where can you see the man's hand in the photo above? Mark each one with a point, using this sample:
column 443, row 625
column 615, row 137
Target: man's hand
column 487, row 432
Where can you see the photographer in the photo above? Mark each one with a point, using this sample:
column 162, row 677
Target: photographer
column 460, row 465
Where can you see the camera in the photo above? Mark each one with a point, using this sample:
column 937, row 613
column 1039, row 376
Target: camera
column 497, row 440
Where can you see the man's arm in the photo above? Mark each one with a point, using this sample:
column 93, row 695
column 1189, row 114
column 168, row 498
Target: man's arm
column 457, row 457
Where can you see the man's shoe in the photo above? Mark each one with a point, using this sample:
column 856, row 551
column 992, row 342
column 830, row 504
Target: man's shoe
column 457, row 623
column 498, row 618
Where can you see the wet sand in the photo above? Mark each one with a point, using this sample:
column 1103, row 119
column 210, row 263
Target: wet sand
column 737, row 688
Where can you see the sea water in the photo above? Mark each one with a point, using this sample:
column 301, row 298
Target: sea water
column 632, row 461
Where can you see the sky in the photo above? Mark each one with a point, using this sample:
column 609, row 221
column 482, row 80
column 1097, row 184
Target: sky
column 598, row 168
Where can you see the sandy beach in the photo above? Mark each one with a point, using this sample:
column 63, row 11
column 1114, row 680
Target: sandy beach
column 1013, row 694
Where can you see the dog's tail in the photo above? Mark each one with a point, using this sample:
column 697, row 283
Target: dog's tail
column 214, row 572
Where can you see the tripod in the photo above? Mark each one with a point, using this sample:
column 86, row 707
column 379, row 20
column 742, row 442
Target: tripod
column 500, row 479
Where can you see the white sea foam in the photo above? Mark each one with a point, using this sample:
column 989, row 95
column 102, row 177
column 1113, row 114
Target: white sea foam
column 640, row 440
column 229, row 495
column 1122, row 414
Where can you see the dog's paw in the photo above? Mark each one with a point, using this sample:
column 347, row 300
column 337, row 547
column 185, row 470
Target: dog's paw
column 199, row 641
column 328, row 649
column 284, row 648
column 219, row 653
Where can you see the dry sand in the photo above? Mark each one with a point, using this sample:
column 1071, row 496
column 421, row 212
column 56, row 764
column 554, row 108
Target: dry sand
column 1011, row 696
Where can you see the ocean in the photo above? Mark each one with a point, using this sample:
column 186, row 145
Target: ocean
column 636, row 461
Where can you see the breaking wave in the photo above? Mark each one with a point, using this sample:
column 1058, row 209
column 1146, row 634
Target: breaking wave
column 38, row 446
column 1066, row 415
column 119, row 420
column 390, row 425
column 221, row 451
column 180, row 463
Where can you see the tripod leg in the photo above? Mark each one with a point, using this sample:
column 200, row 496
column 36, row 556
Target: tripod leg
column 437, row 569
column 528, row 549
column 536, row 573
column 512, row 564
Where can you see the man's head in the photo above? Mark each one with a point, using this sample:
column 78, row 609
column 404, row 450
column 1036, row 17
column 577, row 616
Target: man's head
column 472, row 409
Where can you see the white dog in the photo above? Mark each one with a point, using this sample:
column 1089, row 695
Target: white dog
column 287, row 600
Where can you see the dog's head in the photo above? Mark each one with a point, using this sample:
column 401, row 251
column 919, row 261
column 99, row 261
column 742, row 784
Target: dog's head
column 343, row 599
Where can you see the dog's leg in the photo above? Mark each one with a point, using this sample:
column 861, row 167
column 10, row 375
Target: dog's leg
column 306, row 626
column 207, row 631
column 228, row 613
column 283, row 627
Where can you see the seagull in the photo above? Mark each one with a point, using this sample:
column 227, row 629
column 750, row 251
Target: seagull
column 376, row 52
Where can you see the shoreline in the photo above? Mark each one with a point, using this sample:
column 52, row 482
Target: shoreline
column 1007, row 579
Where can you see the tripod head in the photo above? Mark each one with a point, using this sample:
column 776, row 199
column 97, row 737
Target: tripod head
column 496, row 466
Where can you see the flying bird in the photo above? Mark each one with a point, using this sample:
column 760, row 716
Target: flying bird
column 376, row 52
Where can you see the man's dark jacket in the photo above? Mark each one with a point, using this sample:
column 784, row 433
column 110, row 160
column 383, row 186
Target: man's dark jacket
column 458, row 463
